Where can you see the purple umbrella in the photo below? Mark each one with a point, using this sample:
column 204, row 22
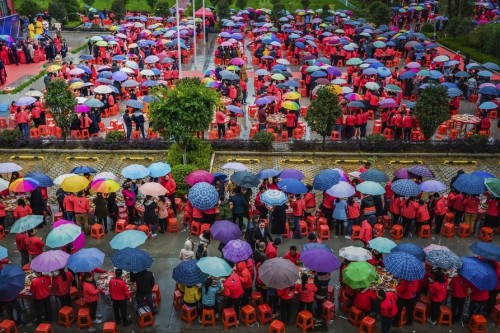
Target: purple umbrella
column 81, row 108
column 334, row 71
column 320, row 260
column 421, row 170
column 292, row 173
column 225, row 231
column 79, row 242
column 199, row 176
column 119, row 76
column 237, row 250
column 403, row 173
column 432, row 186
column 49, row 261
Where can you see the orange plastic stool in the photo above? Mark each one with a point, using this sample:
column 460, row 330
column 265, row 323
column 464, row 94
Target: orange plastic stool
column 45, row 328
column 444, row 316
column 356, row 232
column 449, row 217
column 120, row 226
column 396, row 232
column 495, row 315
column 324, row 232
column 264, row 314
column 448, row 230
column 328, row 311
column 96, row 231
column 311, row 221
column 144, row 229
column 156, row 293
column 173, row 225
column 195, row 228
column 109, row 327
column 477, row 324
column 229, row 318
column 66, row 316
column 131, row 227
column 378, row 230
column 248, row 316
column 84, row 320
column 303, row 228
column 145, row 317
column 355, row 316
column 276, row 326
column 345, row 302
column 331, row 293
column 208, row 317
column 420, row 313
column 256, row 298
column 188, row 314
column 486, row 234
column 8, row 326
column 367, row 325
column 425, row 231
column 463, row 230
column 304, row 320
column 402, row 318
column 178, row 300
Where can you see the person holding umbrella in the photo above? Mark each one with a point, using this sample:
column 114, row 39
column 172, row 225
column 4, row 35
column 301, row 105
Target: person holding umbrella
column 101, row 210
column 119, row 293
column 437, row 294
column 82, row 208
column 209, row 291
column 406, row 291
column 21, row 247
column 62, row 285
column 408, row 212
column 240, row 207
column 459, row 288
column 388, row 308
column 40, row 289
column 150, row 217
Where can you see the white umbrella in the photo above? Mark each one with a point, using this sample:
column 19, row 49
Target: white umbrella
column 103, row 90
column 355, row 253
column 147, row 72
column 60, row 179
column 34, row 93
column 3, row 184
column 8, row 167
column 106, row 175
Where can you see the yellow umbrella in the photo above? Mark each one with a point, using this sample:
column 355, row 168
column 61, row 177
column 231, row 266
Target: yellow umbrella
column 75, row 184
column 291, row 95
column 233, row 68
column 289, row 105
column 105, row 185
column 53, row 68
column 113, row 28
column 76, row 85
column 206, row 80
column 101, row 43
column 335, row 89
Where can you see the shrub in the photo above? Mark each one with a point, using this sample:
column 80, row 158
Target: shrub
column 174, row 155
column 375, row 138
column 264, row 138
column 427, row 28
column 179, row 173
column 9, row 137
column 114, row 136
column 478, row 139
column 199, row 153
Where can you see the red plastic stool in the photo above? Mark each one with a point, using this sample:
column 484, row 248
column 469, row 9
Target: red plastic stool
column 156, row 293
column 276, row 326
column 420, row 313
column 229, row 318
column 144, row 229
column 83, row 319
column 448, row 230
column 355, row 316
column 387, row 221
column 477, row 324
column 402, row 318
column 324, row 232
column 109, row 327
column 378, row 230
column 367, row 325
column 195, row 228
column 173, row 225
column 248, row 316
column 8, row 326
column 396, row 232
column 131, row 227
column 303, row 228
column 304, row 320
column 311, row 222
column 463, row 230
column 256, row 298
column 425, row 231
column 66, row 316
column 145, row 317
column 444, row 316
column 45, row 328
column 120, row 225
column 97, row 231
column 208, row 317
column 328, row 311
column 356, row 232
column 178, row 300
column 188, row 314
column 486, row 234
column 264, row 314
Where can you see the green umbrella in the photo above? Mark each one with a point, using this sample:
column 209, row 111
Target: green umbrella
column 354, row 61
column 278, row 77
column 26, row 223
column 493, row 185
column 392, row 87
column 359, row 275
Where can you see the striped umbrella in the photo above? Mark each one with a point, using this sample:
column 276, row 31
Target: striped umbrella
column 406, row 187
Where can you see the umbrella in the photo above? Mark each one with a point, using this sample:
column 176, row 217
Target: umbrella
column 486, row 250
column 236, row 166
column 359, row 275
column 421, row 171
column 278, row 273
column 355, row 253
column 8, row 167
column 433, row 247
column 292, row 185
column 135, row 171
column 94, row 103
column 402, row 173
column 411, row 249
column 470, row 184
column 203, row 196
column 23, row 185
column 131, row 259
column 479, row 273
column 49, row 261
column 3, row 184
column 382, row 244
column 225, row 231
column 25, row 101
column 214, row 266
column 79, row 242
column 42, row 179
column 483, row 174
column 245, row 179
column 86, row 260
column 374, row 175
column 493, row 186
column 62, row 235
column 74, row 184
column 292, row 173
column 106, row 175
column 153, row 189
column 372, row 188
column 103, row 185
column 268, row 173
column 103, row 90
column 406, row 187
column 199, row 176
column 26, row 223
column 273, row 198
column 404, row 266
column 188, row 273
column 3, row 253
column 341, row 190
column 11, row 282
column 320, row 260
column 326, row 179
column 128, row 238
column 237, row 250
column 444, row 259
column 432, row 186
column 135, row 104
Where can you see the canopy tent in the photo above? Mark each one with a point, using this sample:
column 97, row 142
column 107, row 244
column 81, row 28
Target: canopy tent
column 199, row 12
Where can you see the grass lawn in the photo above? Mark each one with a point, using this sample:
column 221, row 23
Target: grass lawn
column 461, row 44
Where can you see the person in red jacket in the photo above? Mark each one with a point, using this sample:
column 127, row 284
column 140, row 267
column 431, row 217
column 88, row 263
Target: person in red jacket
column 478, row 299
column 366, row 232
column 422, row 217
column 21, row 210
column 327, row 208
column 40, row 289
column 91, row 297
column 119, row 293
column 306, row 292
column 364, row 300
column 437, row 294
column 459, row 288
column 408, row 212
column 34, row 245
column 286, row 297
column 439, row 211
column 395, row 208
column 233, row 290
column 406, row 291
column 272, row 248
column 459, row 208
column 408, row 122
column 246, row 281
column 293, row 255
column 388, row 308
column 62, row 285
column 310, row 201
column 471, row 207
column 169, row 183
column 21, row 247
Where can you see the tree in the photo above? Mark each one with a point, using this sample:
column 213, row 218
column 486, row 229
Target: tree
column 326, row 11
column 278, row 11
column 180, row 112
column 305, row 3
column 72, row 7
column 61, row 103
column 380, row 13
column 486, row 37
column 118, row 8
column 242, row 4
column 162, row 8
column 58, row 11
column 89, row 2
column 223, row 8
column 324, row 111
column 29, row 8
column 432, row 109
column 152, row 4
column 458, row 26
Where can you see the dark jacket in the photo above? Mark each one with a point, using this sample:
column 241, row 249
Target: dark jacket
column 240, row 205
column 36, row 202
column 101, row 209
column 278, row 220
column 112, row 206
column 144, row 280
column 257, row 236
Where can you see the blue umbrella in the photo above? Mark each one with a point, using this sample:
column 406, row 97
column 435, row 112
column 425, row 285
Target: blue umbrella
column 407, row 75
column 159, row 169
column 382, row 244
column 273, row 198
column 42, row 179
column 462, row 74
column 135, row 104
column 268, row 173
column 131, row 259
column 119, row 76
column 105, row 75
column 374, row 175
column 149, row 98
column 479, row 273
column 85, row 260
column 83, row 169
column 326, row 179
column 404, row 266
column 292, row 185
column 488, row 106
column 309, row 246
column 85, row 68
column 128, row 238
column 370, row 71
column 491, row 65
column 104, row 81
column 356, row 104
column 421, row 170
column 220, row 176
column 454, row 92
column 482, row 174
column 3, row 253
column 62, row 235
column 93, row 103
column 86, row 56
column 11, row 282
column 485, row 73
column 214, row 266
column 410, row 248
column 384, row 72
column 235, row 109
column 292, row 84
column 26, row 223
column 341, row 190
column 470, row 184
column 369, row 187
column 486, row 250
column 432, row 186
column 449, row 85
column 318, row 74
column 25, row 101
column 203, row 196
column 119, row 58
column 262, row 101
column 135, row 171
column 245, row 179
column 444, row 259
column 188, row 273
column 489, row 90
column 406, row 187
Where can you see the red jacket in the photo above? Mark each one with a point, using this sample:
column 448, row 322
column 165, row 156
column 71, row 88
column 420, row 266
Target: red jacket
column 40, row 287
column 389, row 307
column 295, row 259
column 440, row 206
column 409, row 211
column 478, row 295
column 62, row 287
column 286, row 293
column 118, row 290
column 423, row 214
column 20, row 241
column 437, row 291
column 244, row 275
column 21, row 211
column 363, row 300
column 271, row 251
column 459, row 287
column 169, row 185
column 366, row 233
column 34, row 245
column 232, row 286
column 90, row 292
column 471, row 205
column 306, row 294
column 407, row 289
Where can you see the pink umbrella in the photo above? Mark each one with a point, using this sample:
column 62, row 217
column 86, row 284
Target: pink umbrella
column 199, row 176
column 237, row 61
column 80, row 108
column 79, row 242
column 227, row 44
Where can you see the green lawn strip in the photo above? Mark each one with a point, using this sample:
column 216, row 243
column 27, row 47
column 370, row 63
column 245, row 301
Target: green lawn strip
column 23, row 86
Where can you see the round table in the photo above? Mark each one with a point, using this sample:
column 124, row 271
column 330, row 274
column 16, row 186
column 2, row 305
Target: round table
column 464, row 123
column 276, row 120
column 102, row 281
